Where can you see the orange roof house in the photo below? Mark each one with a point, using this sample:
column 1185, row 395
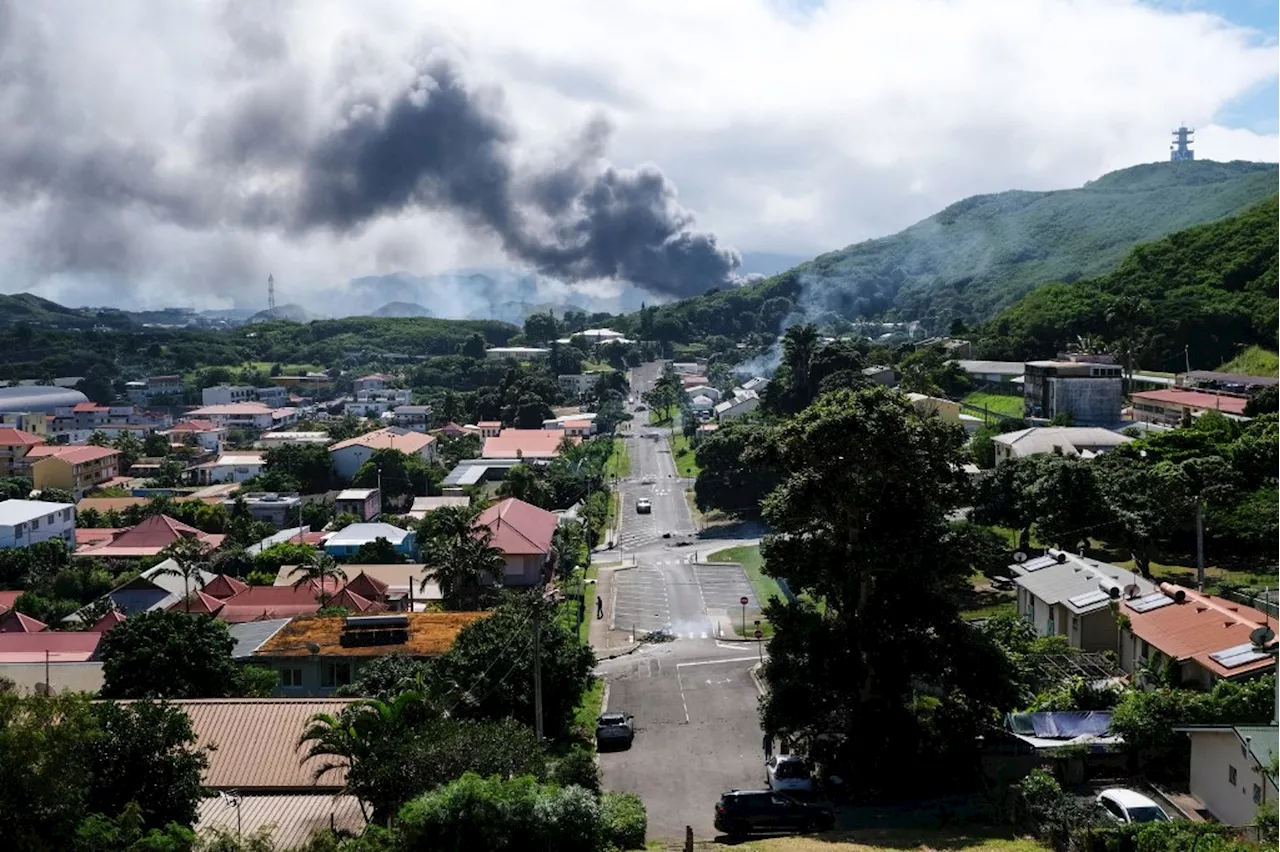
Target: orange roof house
column 1209, row 637
column 526, row 443
column 13, row 621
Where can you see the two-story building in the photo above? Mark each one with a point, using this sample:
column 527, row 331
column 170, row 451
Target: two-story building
column 416, row 418
column 269, row 506
column 162, row 388
column 238, row 466
column 375, row 403
column 203, row 433
column 1061, row 594
column 14, row 444
column 364, row 503
column 1169, row 406
column 25, row 522
column 250, row 416
column 272, row 396
column 74, row 468
column 577, row 384
column 1090, row 391
column 523, row 533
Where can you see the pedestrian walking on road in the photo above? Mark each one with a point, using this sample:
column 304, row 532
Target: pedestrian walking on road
column 599, row 607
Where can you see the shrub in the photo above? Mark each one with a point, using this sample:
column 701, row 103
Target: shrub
column 578, row 768
column 567, row 820
column 624, row 821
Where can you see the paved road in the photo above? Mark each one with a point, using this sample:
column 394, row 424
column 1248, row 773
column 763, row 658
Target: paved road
column 694, row 698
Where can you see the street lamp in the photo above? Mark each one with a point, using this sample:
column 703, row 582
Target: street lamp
column 232, row 799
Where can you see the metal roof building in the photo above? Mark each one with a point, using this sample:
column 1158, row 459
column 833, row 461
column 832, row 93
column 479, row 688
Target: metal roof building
column 38, row 398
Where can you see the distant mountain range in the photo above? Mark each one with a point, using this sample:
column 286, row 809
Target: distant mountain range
column 402, row 310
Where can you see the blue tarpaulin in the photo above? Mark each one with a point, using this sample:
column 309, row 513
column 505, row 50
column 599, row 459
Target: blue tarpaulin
column 1064, row 725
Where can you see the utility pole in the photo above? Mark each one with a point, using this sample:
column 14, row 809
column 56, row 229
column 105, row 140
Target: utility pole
column 1199, row 543
column 537, row 670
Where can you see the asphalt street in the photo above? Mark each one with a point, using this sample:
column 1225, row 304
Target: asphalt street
column 694, row 698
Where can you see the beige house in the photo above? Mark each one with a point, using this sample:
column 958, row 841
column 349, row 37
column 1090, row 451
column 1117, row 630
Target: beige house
column 14, row 444
column 1085, row 442
column 1227, row 769
column 73, row 468
column 945, row 409
column 523, row 533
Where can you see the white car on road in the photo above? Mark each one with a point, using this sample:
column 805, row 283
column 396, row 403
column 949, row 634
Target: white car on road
column 788, row 772
column 643, row 506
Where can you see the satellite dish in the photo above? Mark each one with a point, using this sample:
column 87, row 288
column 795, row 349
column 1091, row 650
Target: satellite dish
column 1131, row 591
column 1262, row 636
column 1019, row 556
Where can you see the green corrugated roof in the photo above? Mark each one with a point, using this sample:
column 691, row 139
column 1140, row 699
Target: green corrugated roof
column 1263, row 740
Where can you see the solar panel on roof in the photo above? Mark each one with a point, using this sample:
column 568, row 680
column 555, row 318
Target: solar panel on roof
column 1089, row 598
column 1238, row 656
column 1038, row 563
column 1150, row 602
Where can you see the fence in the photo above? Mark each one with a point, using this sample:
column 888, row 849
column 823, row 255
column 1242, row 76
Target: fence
column 1267, row 600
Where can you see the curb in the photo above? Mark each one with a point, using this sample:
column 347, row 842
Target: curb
column 631, row 649
column 754, row 671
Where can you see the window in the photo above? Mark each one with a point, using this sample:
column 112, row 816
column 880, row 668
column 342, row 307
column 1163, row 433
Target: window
column 291, row 677
column 35, row 524
column 1257, row 794
column 335, row 674
column 1231, row 775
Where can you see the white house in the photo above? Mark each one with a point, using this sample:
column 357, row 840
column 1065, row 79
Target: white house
column 203, row 432
column 348, row 455
column 25, row 522
column 1084, row 441
column 708, row 391
column 231, row 467
column 371, row 382
column 755, row 384
column 1065, row 595
column 519, row 353
column 743, row 402
column 1227, row 769
column 280, row 439
column 701, row 402
column 272, row 396
column 246, row 415
column 374, row 403
column 577, row 384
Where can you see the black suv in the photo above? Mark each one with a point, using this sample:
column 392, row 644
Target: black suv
column 743, row 812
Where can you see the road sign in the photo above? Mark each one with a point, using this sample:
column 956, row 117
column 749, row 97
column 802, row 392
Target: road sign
column 744, row 600
column 759, row 634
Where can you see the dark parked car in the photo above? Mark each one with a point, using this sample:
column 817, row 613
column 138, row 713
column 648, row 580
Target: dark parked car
column 743, row 812
column 614, row 729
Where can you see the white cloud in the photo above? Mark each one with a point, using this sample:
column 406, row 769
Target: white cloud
column 783, row 131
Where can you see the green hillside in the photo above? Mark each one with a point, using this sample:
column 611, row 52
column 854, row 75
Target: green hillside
column 984, row 253
column 1205, row 293
column 1254, row 361
column 24, row 307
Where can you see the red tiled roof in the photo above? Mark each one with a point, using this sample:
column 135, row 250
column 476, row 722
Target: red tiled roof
column 577, row 424
column 519, row 528
column 88, row 536
column 526, row 443
column 8, row 599
column 195, row 426
column 1199, row 626
column 72, row 453
column 1195, row 399
column 150, row 537
column 201, row 603
column 385, row 439
column 365, row 586
column 356, row 603
column 108, row 621
column 89, row 406
column 15, row 622
column 56, row 646
column 223, row 586
column 451, row 429
column 10, row 437
column 257, row 603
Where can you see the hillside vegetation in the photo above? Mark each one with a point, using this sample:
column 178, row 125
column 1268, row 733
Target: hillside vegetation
column 1205, row 292
column 981, row 254
column 1253, row 361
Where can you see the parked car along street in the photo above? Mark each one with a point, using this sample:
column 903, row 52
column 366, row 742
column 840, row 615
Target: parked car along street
column 743, row 812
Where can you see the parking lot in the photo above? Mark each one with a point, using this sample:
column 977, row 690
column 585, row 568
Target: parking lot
column 640, row 600
column 724, row 586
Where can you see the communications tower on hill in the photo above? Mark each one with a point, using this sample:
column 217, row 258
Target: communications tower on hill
column 271, row 295
column 1181, row 148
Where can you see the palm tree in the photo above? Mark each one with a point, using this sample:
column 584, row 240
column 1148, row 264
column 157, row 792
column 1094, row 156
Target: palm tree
column 321, row 568
column 188, row 555
column 798, row 348
column 459, row 565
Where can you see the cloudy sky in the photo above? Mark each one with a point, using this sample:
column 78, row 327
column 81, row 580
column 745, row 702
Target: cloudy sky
column 168, row 152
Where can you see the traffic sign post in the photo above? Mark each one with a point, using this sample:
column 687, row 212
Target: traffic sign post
column 744, row 600
column 760, row 645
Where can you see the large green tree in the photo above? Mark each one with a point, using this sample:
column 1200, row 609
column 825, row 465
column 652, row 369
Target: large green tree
column 309, row 465
column 859, row 523
column 726, row 480
column 168, row 654
column 458, row 556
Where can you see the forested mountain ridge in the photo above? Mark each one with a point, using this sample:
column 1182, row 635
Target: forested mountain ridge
column 984, row 253
column 1211, row 289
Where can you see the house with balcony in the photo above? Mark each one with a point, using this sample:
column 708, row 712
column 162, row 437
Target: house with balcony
column 26, row 522
column 74, row 468
column 14, row 444
column 375, row 403
column 416, row 418
column 250, row 416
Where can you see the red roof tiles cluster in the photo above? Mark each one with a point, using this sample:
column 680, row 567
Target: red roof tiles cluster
column 519, row 528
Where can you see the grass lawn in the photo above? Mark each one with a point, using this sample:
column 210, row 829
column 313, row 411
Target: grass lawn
column 765, row 587
column 1254, row 361
column 996, row 403
column 663, row 417
column 876, row 840
column 285, row 369
column 619, row 461
column 682, row 453
column 589, row 709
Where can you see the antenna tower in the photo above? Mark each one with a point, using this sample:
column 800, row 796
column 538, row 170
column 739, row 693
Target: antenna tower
column 271, row 295
column 1180, row 150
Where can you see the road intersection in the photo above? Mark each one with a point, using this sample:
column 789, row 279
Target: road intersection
column 695, row 697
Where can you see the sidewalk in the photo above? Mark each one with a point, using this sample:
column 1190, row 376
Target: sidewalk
column 605, row 642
